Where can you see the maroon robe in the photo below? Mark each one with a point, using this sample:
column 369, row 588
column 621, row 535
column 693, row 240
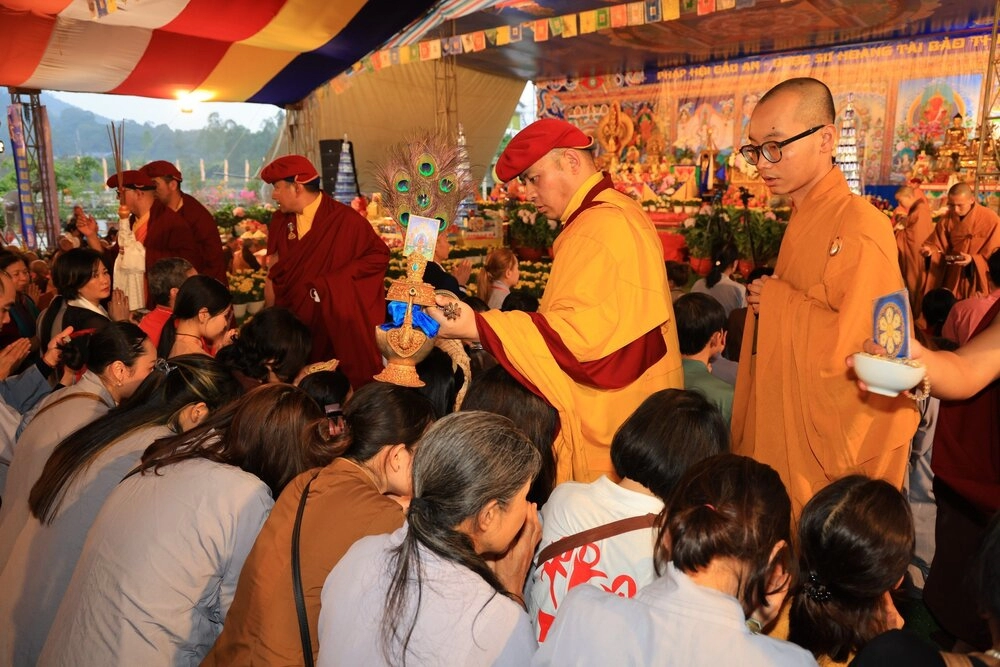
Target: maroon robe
column 201, row 225
column 168, row 235
column 333, row 281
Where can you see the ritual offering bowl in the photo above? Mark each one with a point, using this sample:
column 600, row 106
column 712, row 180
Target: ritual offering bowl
column 887, row 376
column 409, row 337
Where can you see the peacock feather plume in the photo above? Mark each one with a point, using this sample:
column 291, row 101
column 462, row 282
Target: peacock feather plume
column 421, row 176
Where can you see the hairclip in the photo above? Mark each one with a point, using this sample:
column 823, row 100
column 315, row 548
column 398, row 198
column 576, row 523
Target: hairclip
column 333, row 410
column 816, row 589
column 163, row 366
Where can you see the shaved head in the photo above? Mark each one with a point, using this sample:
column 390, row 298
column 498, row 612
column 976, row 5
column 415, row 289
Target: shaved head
column 905, row 191
column 815, row 102
column 960, row 190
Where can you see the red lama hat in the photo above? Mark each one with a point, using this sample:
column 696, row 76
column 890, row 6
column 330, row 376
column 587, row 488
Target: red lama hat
column 533, row 142
column 289, row 166
column 132, row 179
column 162, row 169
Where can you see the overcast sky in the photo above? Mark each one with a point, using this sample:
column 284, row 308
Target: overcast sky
column 145, row 109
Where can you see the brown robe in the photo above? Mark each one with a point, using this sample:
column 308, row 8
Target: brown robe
column 909, row 240
column 796, row 408
column 977, row 234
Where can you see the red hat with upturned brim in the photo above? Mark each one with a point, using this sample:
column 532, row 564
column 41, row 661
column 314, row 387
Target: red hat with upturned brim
column 533, row 142
column 132, row 179
column 162, row 169
column 289, row 166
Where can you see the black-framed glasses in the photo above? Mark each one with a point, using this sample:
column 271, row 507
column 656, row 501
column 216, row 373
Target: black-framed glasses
column 771, row 150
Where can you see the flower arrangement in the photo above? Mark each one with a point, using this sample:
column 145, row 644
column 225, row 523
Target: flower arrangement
column 229, row 216
column 247, row 286
column 529, row 228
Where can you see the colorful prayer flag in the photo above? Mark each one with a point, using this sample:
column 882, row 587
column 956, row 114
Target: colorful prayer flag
column 569, row 25
column 619, row 16
column 636, row 13
column 603, row 18
column 689, row 6
column 503, row 35
column 705, row 7
column 541, row 30
column 556, row 26
column 478, row 40
column 588, row 22
column 671, row 10
column 653, row 14
column 394, row 56
column 515, row 33
column 724, row 4
column 468, row 44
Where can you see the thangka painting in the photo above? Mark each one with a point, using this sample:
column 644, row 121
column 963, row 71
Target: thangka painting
column 706, row 121
column 924, row 112
column 869, row 115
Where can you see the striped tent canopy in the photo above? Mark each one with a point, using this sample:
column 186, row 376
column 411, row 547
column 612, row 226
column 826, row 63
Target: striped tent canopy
column 270, row 51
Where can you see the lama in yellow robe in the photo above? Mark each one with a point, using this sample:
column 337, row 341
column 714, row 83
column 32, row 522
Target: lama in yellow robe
column 607, row 295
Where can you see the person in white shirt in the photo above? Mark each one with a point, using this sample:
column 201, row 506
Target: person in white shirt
column 670, row 431
column 719, row 282
column 444, row 588
column 159, row 568
column 725, row 543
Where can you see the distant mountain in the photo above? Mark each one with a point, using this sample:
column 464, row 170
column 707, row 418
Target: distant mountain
column 76, row 132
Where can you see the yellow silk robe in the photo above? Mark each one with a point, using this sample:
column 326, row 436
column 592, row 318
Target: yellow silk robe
column 608, row 287
column 977, row 234
column 795, row 407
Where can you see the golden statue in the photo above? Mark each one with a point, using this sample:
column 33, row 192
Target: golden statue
column 615, row 129
column 956, row 139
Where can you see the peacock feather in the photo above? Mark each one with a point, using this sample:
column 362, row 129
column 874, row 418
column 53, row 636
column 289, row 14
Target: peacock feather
column 421, row 176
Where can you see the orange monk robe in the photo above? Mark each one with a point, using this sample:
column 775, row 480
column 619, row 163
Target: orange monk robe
column 978, row 235
column 795, row 407
column 607, row 300
column 908, row 241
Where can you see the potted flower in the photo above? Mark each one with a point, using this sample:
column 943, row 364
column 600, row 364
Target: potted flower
column 757, row 234
column 256, row 303
column 703, row 234
column 531, row 232
column 241, row 286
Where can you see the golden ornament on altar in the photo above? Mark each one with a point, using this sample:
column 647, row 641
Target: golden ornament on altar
column 615, row 129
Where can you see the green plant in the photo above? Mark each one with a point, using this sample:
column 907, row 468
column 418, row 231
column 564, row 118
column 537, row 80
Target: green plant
column 531, row 229
column 704, row 233
column 759, row 226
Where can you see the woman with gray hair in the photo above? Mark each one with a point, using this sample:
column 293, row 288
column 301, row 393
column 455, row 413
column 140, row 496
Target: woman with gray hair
column 446, row 587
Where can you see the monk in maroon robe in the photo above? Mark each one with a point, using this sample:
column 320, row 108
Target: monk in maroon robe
column 209, row 259
column 327, row 265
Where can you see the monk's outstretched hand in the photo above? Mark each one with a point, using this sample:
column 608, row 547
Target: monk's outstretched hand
column 457, row 319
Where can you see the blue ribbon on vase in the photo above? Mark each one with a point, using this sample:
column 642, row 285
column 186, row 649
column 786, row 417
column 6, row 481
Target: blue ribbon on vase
column 421, row 320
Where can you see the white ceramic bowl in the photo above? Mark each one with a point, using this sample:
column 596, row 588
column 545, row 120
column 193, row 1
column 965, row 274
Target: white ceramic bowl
column 886, row 376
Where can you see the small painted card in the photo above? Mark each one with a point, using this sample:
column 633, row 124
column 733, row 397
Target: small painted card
column 891, row 323
column 421, row 236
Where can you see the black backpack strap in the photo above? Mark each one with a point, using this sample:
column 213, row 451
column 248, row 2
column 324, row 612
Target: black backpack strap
column 300, row 601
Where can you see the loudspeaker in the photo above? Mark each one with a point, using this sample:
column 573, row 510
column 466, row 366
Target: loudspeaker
column 329, row 156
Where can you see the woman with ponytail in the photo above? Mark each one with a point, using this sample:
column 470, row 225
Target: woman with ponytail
column 500, row 272
column 855, row 543
column 200, row 321
column 724, row 552
column 446, row 587
column 158, row 570
column 719, row 282
column 79, row 476
column 356, row 495
column 118, row 357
